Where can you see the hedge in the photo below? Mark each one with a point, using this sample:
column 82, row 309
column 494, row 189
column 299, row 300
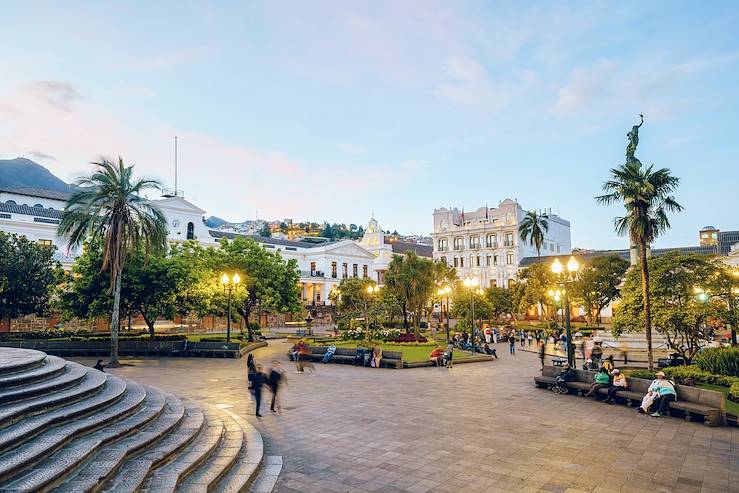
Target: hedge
column 721, row 361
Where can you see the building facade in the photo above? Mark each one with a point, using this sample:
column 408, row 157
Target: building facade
column 485, row 243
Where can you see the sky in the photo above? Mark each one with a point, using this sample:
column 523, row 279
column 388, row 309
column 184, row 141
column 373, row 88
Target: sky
column 339, row 110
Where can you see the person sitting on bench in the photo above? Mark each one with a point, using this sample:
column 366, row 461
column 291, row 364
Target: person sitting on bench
column 601, row 380
column 437, row 356
column 662, row 392
column 566, row 375
column 490, row 351
column 619, row 383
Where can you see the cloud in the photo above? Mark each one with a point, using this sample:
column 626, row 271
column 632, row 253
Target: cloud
column 586, row 86
column 353, row 149
column 61, row 95
column 40, row 155
column 468, row 84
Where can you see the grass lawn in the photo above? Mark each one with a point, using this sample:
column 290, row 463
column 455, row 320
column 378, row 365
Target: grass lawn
column 411, row 354
column 731, row 407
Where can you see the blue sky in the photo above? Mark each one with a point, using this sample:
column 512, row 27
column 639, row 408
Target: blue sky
column 334, row 110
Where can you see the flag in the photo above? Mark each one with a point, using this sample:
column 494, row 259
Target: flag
column 486, row 211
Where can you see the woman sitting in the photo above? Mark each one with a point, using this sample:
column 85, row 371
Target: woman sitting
column 601, row 381
column 437, row 356
column 376, row 357
column 619, row 383
column 490, row 351
column 661, row 392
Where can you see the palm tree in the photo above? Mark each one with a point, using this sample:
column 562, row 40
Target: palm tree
column 647, row 196
column 108, row 205
column 532, row 229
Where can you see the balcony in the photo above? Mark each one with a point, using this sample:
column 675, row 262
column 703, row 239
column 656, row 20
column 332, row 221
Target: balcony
column 508, row 244
column 442, row 249
column 311, row 273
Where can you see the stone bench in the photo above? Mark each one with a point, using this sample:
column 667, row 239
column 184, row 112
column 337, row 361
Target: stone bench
column 390, row 359
column 691, row 401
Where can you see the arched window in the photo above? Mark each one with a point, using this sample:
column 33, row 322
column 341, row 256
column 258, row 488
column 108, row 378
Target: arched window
column 11, row 202
column 39, row 206
column 190, row 231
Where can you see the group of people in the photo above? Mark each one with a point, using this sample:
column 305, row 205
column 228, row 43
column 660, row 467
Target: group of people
column 661, row 392
column 274, row 379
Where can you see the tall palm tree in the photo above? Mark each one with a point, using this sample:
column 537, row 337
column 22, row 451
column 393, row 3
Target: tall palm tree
column 108, row 205
column 647, row 196
column 532, row 229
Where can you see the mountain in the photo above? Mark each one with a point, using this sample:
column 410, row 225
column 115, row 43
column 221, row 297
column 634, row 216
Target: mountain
column 215, row 222
column 24, row 173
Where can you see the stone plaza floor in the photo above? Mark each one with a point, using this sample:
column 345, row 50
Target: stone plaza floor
column 479, row 427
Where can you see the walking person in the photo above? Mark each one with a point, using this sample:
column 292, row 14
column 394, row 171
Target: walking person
column 251, row 369
column 276, row 378
column 530, row 337
column 258, row 380
column 542, row 353
column 512, row 342
column 522, row 338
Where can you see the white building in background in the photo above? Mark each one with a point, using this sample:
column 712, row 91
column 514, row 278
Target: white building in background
column 36, row 213
column 485, row 243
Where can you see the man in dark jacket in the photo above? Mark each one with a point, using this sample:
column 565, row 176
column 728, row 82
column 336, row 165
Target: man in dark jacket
column 258, row 379
column 276, row 378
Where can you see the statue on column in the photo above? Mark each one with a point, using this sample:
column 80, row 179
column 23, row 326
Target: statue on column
column 633, row 142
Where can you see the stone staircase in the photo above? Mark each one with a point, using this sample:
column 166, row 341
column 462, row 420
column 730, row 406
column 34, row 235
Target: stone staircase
column 69, row 428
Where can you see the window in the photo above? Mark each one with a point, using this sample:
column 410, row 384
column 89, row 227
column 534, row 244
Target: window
column 495, row 259
column 443, row 260
column 491, row 241
column 458, row 243
column 293, row 249
column 355, row 270
column 474, row 242
column 364, row 271
column 312, row 268
column 38, row 206
column 509, row 258
column 443, row 245
column 344, row 270
column 456, row 262
column 477, row 261
column 10, row 202
column 509, row 239
column 461, row 261
column 333, row 270
column 190, row 231
column 487, row 260
column 45, row 242
column 557, row 248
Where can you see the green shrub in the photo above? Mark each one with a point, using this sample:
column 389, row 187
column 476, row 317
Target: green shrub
column 721, row 361
column 643, row 373
column 734, row 392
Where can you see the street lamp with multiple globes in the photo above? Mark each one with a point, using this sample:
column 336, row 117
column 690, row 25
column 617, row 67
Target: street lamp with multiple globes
column 230, row 283
column 472, row 283
column 372, row 291
column 563, row 278
column 444, row 292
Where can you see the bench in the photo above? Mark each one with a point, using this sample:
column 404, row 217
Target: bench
column 390, row 359
column 214, row 349
column 691, row 401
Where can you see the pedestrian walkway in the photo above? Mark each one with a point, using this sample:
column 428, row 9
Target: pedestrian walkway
column 478, row 427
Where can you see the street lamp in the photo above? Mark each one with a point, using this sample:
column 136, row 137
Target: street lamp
column 472, row 283
column 563, row 278
column 372, row 291
column 230, row 283
column 444, row 292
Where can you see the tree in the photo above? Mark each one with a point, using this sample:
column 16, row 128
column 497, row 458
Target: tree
column 84, row 294
column 531, row 289
column 152, row 286
column 532, row 229
column 411, row 280
column 598, row 284
column 462, row 305
column 355, row 300
column 647, row 196
column 108, row 205
column 501, row 302
column 267, row 281
column 676, row 310
column 27, row 275
column 265, row 231
column 726, row 286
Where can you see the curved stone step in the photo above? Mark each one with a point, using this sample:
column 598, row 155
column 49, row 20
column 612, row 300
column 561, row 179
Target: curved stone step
column 93, row 382
column 31, row 426
column 219, row 463
column 13, row 462
column 167, row 477
column 105, row 462
column 67, row 378
column 52, row 366
column 247, row 464
column 14, row 360
column 132, row 473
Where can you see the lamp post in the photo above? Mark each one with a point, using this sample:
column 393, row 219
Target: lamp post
column 472, row 283
column 444, row 292
column 372, row 291
column 564, row 278
column 229, row 283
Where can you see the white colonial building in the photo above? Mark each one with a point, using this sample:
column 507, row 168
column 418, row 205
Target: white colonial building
column 485, row 243
column 36, row 213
